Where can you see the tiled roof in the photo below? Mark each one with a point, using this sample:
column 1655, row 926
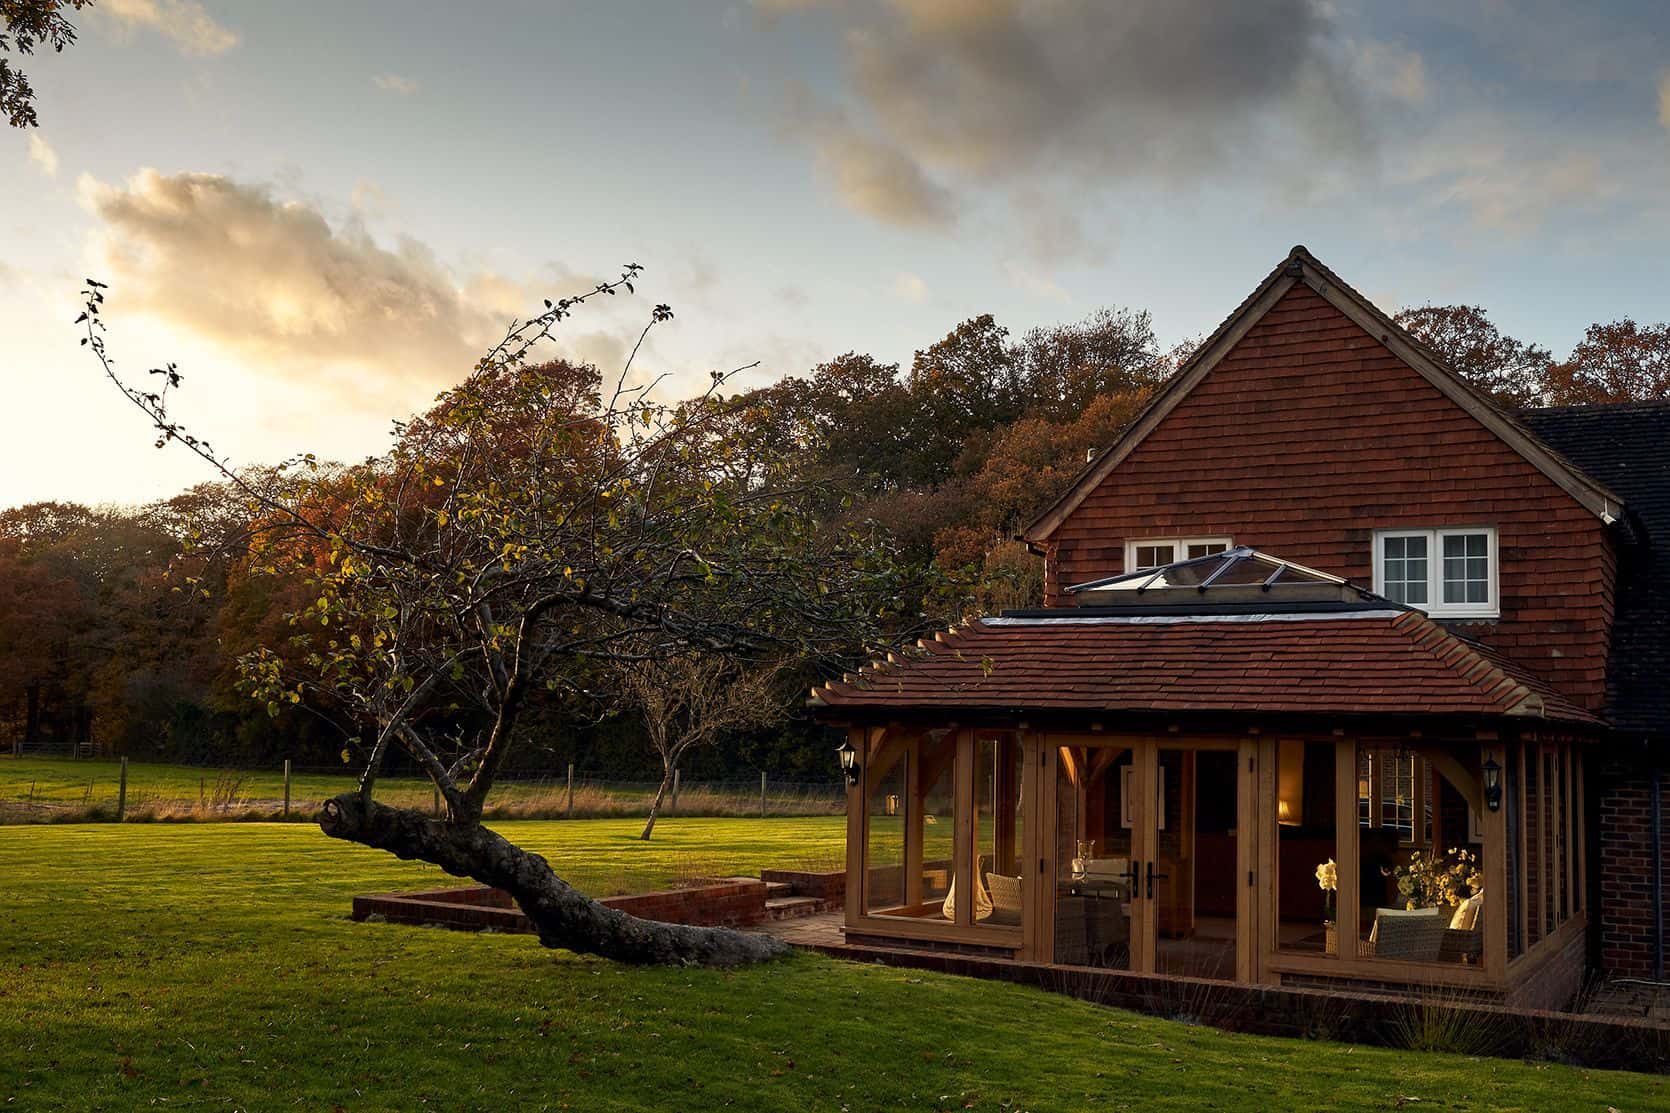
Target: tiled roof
column 1627, row 447
column 1387, row 662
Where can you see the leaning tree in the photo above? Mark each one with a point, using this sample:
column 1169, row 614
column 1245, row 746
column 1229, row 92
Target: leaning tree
column 533, row 533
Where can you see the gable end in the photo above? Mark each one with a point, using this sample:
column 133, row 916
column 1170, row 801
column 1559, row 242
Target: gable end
column 1301, row 266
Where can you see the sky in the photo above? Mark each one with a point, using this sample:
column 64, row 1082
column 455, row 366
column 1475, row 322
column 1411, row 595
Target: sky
column 322, row 212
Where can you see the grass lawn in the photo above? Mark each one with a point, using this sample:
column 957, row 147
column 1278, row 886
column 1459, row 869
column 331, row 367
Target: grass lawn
column 70, row 786
column 214, row 966
column 76, row 780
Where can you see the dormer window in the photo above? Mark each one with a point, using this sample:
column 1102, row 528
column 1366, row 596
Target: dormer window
column 1159, row 552
column 1448, row 573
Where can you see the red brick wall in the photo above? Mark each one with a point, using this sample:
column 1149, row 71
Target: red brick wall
column 1310, row 435
column 1626, row 866
column 730, row 903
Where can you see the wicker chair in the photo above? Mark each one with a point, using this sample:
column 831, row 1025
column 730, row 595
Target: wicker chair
column 1006, row 898
column 1416, row 935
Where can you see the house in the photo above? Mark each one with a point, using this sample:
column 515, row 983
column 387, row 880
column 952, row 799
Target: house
column 1345, row 678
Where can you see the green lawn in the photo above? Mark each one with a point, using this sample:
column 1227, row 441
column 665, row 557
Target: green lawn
column 75, row 781
column 214, row 966
column 67, row 787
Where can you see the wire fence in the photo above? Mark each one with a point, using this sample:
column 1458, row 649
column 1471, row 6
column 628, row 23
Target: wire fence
column 35, row 789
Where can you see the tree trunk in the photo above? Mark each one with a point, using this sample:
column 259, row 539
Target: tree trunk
column 563, row 916
column 660, row 797
column 32, row 718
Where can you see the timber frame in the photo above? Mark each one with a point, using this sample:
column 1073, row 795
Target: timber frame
column 1532, row 851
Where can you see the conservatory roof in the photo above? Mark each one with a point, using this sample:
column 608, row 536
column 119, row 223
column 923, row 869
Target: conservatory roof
column 1234, row 632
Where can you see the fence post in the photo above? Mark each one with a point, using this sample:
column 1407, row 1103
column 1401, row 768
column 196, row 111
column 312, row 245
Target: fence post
column 674, row 806
column 762, row 793
column 286, row 788
column 568, row 809
column 122, row 793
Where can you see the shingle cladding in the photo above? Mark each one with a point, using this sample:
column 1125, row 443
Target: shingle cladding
column 1627, row 447
column 1308, row 436
column 1386, row 662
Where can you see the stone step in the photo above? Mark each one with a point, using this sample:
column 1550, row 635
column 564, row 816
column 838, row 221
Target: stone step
column 775, row 889
column 787, row 908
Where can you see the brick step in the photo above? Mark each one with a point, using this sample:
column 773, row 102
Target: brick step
column 775, row 889
column 787, row 908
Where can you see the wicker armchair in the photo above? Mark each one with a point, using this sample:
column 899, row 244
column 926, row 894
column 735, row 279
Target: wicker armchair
column 1006, row 898
column 1416, row 935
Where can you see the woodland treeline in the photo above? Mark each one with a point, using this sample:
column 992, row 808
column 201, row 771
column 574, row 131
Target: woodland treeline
column 104, row 641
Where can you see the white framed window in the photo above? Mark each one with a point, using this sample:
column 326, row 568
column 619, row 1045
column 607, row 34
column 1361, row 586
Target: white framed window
column 1448, row 573
column 1156, row 552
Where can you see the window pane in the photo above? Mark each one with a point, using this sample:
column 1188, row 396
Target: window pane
column 1205, row 548
column 1405, row 569
column 1153, row 556
column 938, row 775
column 1397, row 794
column 1307, row 848
column 997, row 830
column 1467, row 568
column 884, row 851
column 1093, row 859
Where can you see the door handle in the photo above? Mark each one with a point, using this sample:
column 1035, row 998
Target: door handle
column 1133, row 879
column 1151, row 876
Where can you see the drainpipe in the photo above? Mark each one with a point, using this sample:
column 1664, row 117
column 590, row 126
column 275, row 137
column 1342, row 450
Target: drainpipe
column 1658, row 871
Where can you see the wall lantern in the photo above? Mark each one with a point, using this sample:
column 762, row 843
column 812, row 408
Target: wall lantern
column 849, row 761
column 1492, row 784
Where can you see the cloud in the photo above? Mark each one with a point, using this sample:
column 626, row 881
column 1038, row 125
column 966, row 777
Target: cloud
column 1024, row 278
column 394, row 83
column 1392, row 70
column 191, row 28
column 42, row 155
column 910, row 287
column 1664, row 99
column 274, row 282
column 870, row 174
column 943, row 99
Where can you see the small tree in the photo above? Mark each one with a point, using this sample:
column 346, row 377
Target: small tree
column 694, row 699
column 532, row 533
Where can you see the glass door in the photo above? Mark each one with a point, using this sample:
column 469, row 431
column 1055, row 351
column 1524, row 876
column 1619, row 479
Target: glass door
column 1097, row 915
column 1154, row 853
column 1198, row 883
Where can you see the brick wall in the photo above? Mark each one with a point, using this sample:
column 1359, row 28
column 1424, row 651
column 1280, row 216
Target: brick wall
column 729, row 903
column 1626, row 865
column 1307, row 437
column 1555, row 983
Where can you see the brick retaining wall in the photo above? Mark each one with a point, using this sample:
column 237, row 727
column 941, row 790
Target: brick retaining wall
column 738, row 902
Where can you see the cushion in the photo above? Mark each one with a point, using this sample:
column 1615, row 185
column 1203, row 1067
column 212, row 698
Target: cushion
column 982, row 900
column 1467, row 913
column 1416, row 914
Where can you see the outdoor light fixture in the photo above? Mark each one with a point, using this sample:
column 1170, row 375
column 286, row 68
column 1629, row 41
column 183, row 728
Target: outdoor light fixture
column 849, row 761
column 1492, row 784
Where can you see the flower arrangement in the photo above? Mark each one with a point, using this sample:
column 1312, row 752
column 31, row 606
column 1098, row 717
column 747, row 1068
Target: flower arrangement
column 1432, row 879
column 1327, row 879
